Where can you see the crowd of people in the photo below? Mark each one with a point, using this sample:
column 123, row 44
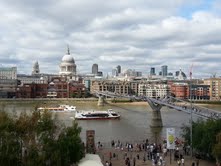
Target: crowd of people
column 145, row 150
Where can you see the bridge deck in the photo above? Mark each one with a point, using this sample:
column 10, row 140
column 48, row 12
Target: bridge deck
column 173, row 103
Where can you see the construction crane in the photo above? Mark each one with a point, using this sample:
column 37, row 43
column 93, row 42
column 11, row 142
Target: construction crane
column 191, row 71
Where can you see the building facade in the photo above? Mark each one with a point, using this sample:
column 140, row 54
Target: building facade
column 32, row 91
column 153, row 90
column 152, row 71
column 118, row 69
column 95, row 69
column 8, row 88
column 179, row 90
column 29, row 79
column 8, row 73
column 199, row 92
column 164, row 70
column 215, row 88
column 118, row 87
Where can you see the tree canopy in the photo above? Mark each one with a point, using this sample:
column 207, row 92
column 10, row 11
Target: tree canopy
column 38, row 139
column 203, row 136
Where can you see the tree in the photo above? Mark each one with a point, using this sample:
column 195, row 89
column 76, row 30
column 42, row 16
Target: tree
column 69, row 142
column 9, row 144
column 38, row 139
column 217, row 148
column 203, row 135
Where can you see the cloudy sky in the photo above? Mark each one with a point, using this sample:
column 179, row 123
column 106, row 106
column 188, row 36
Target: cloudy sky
column 136, row 34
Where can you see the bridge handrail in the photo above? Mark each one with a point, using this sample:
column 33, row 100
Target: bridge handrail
column 202, row 113
column 194, row 104
column 197, row 110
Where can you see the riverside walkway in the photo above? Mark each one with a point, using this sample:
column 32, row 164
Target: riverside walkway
column 119, row 158
column 104, row 154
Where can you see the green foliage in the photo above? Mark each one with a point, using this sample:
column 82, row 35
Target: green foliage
column 217, row 148
column 203, row 135
column 71, row 144
column 38, row 140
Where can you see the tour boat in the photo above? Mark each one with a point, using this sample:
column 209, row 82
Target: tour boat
column 60, row 108
column 96, row 115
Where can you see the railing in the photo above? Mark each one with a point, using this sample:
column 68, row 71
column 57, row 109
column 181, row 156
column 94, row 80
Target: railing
column 173, row 103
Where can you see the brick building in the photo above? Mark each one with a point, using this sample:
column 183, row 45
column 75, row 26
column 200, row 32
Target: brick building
column 32, row 91
column 57, row 88
column 179, row 90
column 200, row 92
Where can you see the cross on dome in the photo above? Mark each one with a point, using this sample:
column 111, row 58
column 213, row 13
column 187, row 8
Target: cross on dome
column 68, row 50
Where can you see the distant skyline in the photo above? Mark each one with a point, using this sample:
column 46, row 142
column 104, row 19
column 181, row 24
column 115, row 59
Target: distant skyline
column 134, row 34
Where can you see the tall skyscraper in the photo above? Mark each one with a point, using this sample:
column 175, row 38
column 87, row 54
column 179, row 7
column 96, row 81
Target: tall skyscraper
column 164, row 70
column 114, row 72
column 152, row 71
column 118, row 69
column 95, row 68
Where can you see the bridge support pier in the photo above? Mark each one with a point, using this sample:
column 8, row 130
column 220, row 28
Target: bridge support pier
column 156, row 121
column 101, row 101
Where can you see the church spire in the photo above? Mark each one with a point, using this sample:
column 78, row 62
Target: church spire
column 68, row 50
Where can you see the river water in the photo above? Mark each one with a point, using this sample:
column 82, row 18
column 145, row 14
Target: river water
column 133, row 126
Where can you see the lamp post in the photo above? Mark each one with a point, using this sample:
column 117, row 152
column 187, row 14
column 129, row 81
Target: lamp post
column 191, row 122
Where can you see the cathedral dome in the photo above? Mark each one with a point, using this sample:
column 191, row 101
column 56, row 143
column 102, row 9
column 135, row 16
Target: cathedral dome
column 68, row 58
column 67, row 65
column 181, row 75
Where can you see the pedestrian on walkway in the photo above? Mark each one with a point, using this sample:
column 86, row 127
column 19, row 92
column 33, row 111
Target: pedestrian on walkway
column 134, row 161
column 144, row 158
column 110, row 155
column 138, row 156
column 125, row 155
column 182, row 161
column 197, row 162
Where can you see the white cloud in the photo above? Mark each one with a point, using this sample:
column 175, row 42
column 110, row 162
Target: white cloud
column 138, row 34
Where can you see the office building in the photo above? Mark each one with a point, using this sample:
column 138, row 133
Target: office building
column 114, row 72
column 95, row 69
column 118, row 69
column 152, row 71
column 164, row 70
column 100, row 73
column 8, row 73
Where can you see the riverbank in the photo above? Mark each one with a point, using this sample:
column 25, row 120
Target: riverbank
column 108, row 100
column 82, row 100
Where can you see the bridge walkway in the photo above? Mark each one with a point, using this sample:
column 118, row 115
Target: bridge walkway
column 172, row 103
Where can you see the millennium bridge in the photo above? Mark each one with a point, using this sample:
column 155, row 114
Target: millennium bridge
column 168, row 101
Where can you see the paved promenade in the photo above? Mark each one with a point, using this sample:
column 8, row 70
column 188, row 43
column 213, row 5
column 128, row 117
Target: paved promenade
column 119, row 159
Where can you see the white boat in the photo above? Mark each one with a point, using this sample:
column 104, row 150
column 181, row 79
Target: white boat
column 60, row 108
column 96, row 115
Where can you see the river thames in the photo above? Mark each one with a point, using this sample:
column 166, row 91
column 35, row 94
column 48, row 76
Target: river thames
column 133, row 126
